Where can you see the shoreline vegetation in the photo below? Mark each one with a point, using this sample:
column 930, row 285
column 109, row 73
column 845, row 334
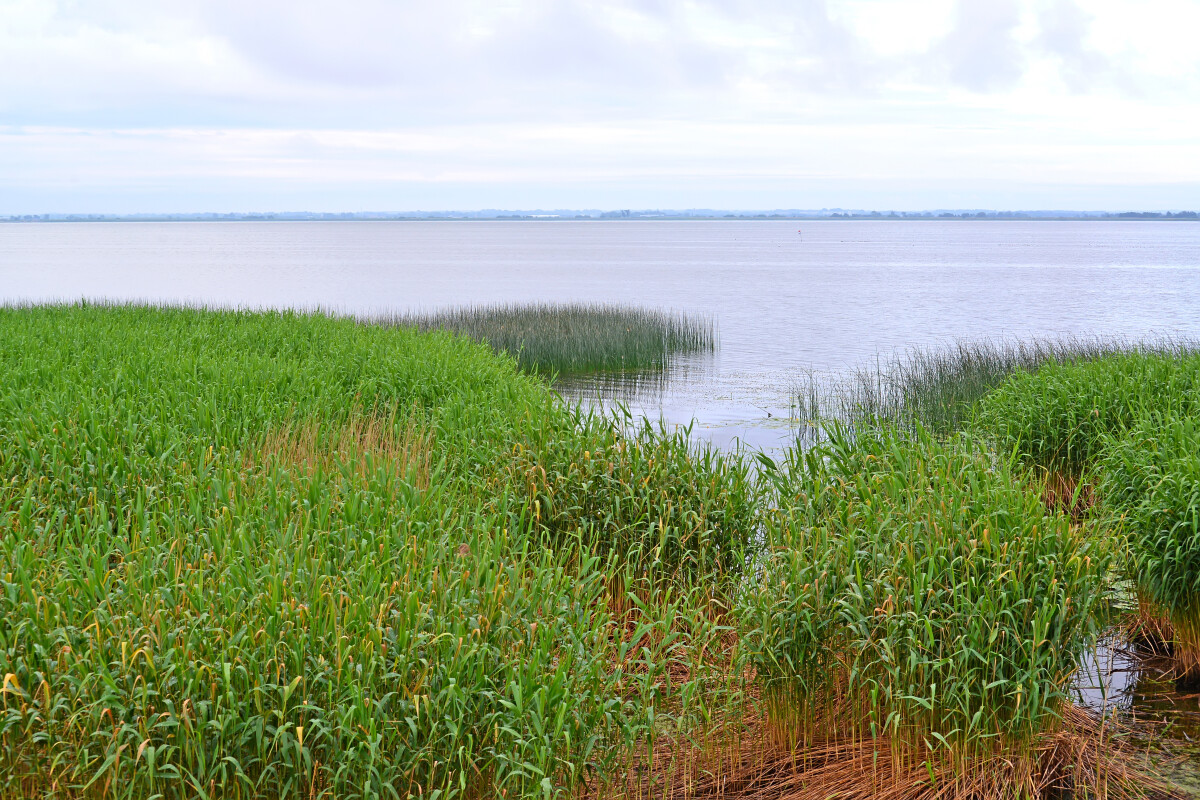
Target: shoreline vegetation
column 939, row 388
column 573, row 338
column 279, row 554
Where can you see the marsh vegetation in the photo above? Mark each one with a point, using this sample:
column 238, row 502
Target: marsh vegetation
column 939, row 387
column 574, row 338
column 267, row 555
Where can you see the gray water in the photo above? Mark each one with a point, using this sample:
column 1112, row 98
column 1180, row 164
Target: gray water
column 790, row 298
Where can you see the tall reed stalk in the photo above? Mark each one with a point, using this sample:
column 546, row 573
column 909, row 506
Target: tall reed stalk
column 940, row 388
column 574, row 337
column 918, row 599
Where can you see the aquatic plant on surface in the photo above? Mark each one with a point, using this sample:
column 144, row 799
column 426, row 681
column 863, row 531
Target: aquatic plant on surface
column 569, row 338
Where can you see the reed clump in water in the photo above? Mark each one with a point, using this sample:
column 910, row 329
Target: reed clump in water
column 921, row 607
column 1150, row 482
column 1121, row 430
column 1060, row 417
column 940, row 388
column 571, row 338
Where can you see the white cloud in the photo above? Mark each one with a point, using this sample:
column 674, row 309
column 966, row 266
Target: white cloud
column 130, row 94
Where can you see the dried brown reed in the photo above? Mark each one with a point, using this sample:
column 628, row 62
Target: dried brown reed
column 1084, row 757
column 1149, row 629
column 1069, row 494
column 362, row 442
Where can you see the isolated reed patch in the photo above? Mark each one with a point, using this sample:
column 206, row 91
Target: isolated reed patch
column 574, row 337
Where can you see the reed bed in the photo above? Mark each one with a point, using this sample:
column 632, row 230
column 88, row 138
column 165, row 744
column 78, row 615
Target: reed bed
column 921, row 608
column 572, row 338
column 262, row 555
column 1150, row 482
column 1060, row 417
column 642, row 492
column 940, row 388
column 1119, row 433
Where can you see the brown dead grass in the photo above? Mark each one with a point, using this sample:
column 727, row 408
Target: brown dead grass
column 1064, row 492
column 1155, row 636
column 1150, row 630
column 1084, row 758
column 361, row 443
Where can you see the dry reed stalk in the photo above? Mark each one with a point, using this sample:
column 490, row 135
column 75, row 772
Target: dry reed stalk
column 361, row 442
column 1155, row 635
column 1185, row 650
column 1064, row 492
column 1084, row 757
column 1149, row 629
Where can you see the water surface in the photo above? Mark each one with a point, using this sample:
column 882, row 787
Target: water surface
column 790, row 297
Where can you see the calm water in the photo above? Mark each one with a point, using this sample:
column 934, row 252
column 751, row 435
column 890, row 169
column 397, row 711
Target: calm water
column 787, row 303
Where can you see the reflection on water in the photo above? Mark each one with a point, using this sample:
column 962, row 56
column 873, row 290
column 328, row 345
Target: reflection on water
column 636, row 388
column 1115, row 679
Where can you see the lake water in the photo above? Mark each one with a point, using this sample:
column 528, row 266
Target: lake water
column 790, row 298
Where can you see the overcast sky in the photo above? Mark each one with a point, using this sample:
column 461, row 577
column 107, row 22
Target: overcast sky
column 115, row 106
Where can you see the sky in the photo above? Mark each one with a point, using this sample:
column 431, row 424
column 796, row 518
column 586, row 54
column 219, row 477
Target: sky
column 127, row 106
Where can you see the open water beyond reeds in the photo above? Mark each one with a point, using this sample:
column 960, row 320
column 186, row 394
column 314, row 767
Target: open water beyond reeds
column 790, row 306
column 790, row 299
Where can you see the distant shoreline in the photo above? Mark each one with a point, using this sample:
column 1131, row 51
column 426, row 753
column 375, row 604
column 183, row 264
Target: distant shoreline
column 1134, row 216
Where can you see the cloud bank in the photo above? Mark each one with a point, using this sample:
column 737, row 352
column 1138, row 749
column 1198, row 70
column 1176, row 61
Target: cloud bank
column 133, row 105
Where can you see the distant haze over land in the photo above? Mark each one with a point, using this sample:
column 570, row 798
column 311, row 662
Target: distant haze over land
column 621, row 214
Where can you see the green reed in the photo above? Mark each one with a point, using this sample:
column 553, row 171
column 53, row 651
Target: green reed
column 939, row 388
column 917, row 590
column 643, row 492
column 569, row 338
column 1061, row 416
column 264, row 555
column 1149, row 481
column 258, row 555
